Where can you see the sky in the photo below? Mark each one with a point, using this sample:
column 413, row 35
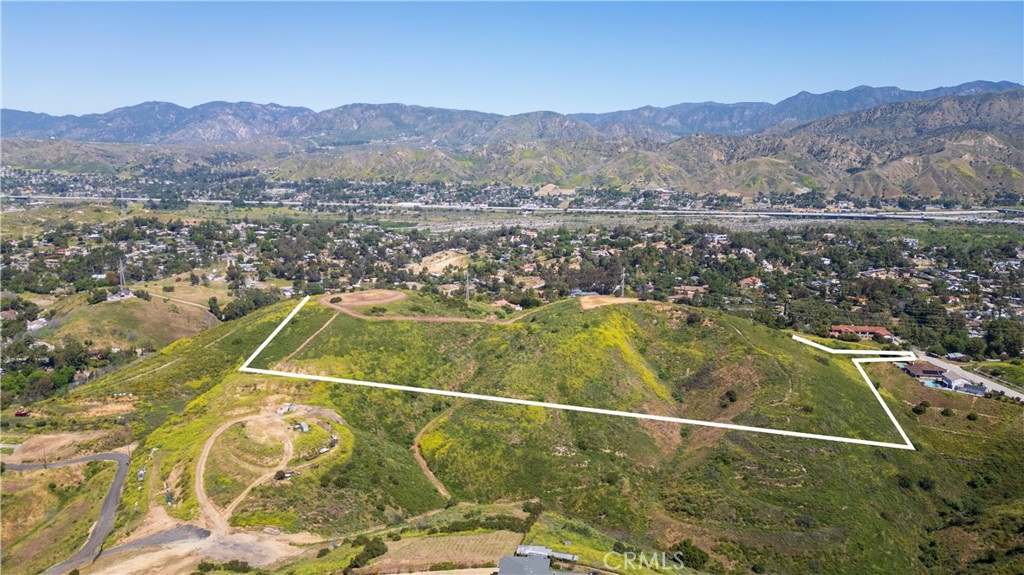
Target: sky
column 496, row 57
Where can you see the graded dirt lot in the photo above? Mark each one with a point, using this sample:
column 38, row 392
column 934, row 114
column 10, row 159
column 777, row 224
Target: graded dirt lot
column 54, row 447
column 592, row 301
column 471, row 550
column 437, row 263
column 363, row 298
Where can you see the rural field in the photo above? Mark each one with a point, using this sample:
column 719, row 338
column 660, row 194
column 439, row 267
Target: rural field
column 473, row 550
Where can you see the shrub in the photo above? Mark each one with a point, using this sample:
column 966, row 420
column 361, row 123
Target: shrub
column 322, row 552
column 926, row 483
column 167, row 288
column 336, row 299
column 921, row 408
column 689, row 555
column 903, row 481
column 972, row 416
column 947, row 412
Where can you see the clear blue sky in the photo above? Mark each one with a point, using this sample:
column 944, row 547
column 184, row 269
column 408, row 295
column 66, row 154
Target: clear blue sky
column 507, row 58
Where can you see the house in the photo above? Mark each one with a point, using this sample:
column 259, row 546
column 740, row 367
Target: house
column 861, row 331
column 532, row 565
column 753, row 282
column 955, row 356
column 687, row 292
column 541, row 551
column 954, row 380
column 923, row 370
column 302, row 426
column 972, row 389
column 581, row 293
column 717, row 239
column 9, row 314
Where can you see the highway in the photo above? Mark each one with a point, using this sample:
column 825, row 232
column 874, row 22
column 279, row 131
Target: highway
column 975, row 216
column 105, row 524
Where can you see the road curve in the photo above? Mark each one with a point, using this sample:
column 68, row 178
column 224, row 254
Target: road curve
column 105, row 524
column 209, row 515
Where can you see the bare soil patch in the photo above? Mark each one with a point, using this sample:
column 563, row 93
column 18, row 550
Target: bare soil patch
column 437, row 263
column 464, row 550
column 55, row 447
column 362, row 298
column 592, row 301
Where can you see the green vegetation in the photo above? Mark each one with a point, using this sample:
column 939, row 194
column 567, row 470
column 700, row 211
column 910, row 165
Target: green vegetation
column 747, row 501
column 48, row 514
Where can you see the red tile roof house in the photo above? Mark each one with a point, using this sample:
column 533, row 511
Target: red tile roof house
column 861, row 331
column 753, row 282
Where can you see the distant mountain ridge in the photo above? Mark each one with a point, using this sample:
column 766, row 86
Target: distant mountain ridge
column 448, row 129
column 959, row 148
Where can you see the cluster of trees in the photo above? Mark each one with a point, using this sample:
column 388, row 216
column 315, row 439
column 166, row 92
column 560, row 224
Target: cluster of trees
column 372, row 548
column 33, row 372
column 248, row 301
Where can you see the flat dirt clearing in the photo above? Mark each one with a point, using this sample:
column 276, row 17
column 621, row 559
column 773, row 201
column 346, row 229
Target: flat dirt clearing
column 56, row 447
column 363, row 298
column 592, row 301
column 420, row 553
column 437, row 263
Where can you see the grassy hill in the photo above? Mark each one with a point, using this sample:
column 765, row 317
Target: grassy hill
column 754, row 503
column 126, row 324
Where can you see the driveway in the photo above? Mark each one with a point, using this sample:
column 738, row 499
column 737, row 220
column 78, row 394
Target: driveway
column 991, row 384
column 105, row 524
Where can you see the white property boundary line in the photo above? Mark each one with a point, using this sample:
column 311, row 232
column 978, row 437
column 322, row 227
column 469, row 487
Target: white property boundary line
column 889, row 356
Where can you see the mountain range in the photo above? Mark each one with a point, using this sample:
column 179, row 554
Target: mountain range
column 961, row 143
column 166, row 123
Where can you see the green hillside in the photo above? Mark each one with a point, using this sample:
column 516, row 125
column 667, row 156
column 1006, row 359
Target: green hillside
column 753, row 502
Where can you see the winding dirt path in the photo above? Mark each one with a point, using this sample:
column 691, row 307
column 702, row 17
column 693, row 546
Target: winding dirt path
column 285, row 458
column 309, row 339
column 419, row 454
column 209, row 516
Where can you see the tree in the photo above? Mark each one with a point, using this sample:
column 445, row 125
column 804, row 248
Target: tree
column 1005, row 336
column 214, row 307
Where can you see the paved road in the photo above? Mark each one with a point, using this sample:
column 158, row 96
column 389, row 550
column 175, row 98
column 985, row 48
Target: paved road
column 989, row 383
column 105, row 524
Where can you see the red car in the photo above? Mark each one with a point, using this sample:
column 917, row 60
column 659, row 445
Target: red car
column 21, row 413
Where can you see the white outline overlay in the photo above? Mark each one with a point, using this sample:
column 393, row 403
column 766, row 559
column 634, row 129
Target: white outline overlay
column 887, row 356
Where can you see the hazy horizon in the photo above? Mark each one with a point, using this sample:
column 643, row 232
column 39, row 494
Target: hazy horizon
column 80, row 58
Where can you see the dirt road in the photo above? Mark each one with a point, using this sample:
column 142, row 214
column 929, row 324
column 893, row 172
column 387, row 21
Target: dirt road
column 105, row 523
column 419, row 455
column 209, row 515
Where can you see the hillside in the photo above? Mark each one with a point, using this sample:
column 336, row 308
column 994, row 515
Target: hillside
column 127, row 324
column 786, row 504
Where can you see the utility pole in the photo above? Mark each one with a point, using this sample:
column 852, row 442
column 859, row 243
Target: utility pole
column 120, row 273
column 467, row 285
